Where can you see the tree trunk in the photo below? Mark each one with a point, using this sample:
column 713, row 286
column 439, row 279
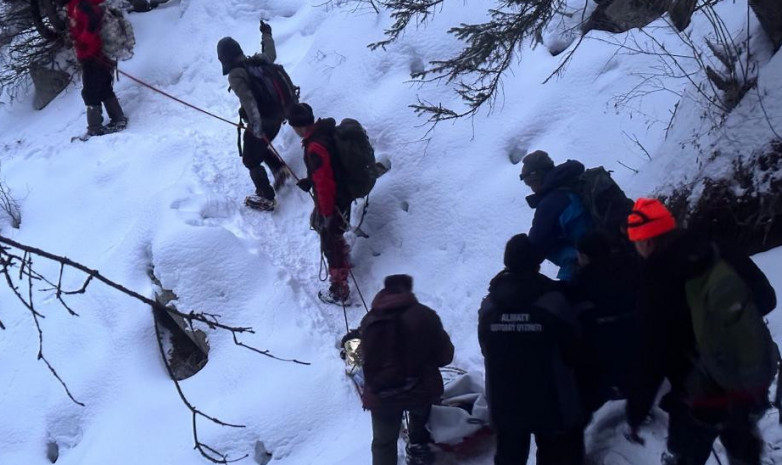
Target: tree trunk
column 769, row 13
column 51, row 11
column 46, row 32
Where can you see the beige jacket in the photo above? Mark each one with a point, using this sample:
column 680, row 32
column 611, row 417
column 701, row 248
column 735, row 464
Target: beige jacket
column 239, row 80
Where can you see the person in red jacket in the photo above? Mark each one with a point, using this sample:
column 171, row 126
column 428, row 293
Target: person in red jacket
column 331, row 216
column 84, row 18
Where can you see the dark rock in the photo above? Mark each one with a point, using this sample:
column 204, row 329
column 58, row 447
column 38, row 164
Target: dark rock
column 48, row 84
column 742, row 209
column 622, row 15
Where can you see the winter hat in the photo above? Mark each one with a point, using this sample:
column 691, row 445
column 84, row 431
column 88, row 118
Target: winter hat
column 521, row 254
column 649, row 219
column 300, row 115
column 398, row 283
column 536, row 162
column 228, row 50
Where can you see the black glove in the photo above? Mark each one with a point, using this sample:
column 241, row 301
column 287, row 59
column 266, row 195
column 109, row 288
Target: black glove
column 265, row 28
column 304, row 184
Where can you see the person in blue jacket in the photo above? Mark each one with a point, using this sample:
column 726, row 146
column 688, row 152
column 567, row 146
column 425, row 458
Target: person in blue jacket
column 560, row 217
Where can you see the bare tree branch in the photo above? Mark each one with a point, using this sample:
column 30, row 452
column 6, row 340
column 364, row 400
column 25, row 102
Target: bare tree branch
column 206, row 451
column 29, row 277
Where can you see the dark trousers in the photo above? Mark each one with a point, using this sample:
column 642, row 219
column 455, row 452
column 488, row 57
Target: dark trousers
column 255, row 152
column 332, row 238
column 565, row 448
column 386, row 423
column 97, row 80
column 690, row 441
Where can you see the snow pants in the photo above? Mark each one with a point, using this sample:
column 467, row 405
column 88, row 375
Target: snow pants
column 690, row 440
column 334, row 247
column 97, row 82
column 566, row 448
column 257, row 151
column 387, row 421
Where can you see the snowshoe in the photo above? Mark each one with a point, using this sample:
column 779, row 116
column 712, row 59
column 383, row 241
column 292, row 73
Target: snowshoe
column 329, row 297
column 110, row 128
column 257, row 202
column 116, row 125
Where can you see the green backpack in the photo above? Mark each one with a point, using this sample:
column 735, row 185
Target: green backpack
column 358, row 169
column 735, row 348
column 607, row 204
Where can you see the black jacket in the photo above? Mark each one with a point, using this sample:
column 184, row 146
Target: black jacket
column 424, row 347
column 667, row 341
column 606, row 291
column 528, row 336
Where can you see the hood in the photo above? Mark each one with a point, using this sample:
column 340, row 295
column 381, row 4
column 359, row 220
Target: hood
column 323, row 126
column 687, row 255
column 386, row 301
column 561, row 176
column 510, row 289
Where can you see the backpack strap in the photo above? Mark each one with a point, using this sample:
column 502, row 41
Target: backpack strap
column 778, row 396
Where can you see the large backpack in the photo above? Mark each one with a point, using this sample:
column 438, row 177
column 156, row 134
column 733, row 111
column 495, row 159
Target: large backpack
column 356, row 157
column 272, row 87
column 605, row 201
column 116, row 34
column 734, row 345
column 383, row 356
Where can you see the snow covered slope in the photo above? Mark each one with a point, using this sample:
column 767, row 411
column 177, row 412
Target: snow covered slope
column 167, row 193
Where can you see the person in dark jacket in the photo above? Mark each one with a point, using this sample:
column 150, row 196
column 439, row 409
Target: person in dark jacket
column 403, row 345
column 560, row 217
column 263, row 122
column 606, row 286
column 668, row 348
column 331, row 215
column 529, row 339
column 84, row 19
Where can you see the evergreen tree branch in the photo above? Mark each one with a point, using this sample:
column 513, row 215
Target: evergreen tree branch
column 489, row 49
column 404, row 12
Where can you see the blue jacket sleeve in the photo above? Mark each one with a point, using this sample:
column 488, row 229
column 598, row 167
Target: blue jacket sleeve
column 545, row 231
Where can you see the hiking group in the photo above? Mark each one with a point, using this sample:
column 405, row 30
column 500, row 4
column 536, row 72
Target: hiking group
column 638, row 300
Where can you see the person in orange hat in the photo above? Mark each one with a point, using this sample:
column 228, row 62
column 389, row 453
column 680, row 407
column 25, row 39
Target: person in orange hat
column 700, row 409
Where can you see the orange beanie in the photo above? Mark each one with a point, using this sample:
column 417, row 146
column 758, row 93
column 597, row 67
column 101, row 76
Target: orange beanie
column 649, row 219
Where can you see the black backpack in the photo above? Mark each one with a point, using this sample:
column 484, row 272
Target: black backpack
column 272, row 87
column 385, row 368
column 605, row 201
column 356, row 158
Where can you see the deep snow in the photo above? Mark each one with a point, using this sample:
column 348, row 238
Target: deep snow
column 167, row 193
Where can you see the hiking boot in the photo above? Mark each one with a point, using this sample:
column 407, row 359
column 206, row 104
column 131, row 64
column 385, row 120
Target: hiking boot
column 258, row 202
column 95, row 120
column 118, row 119
column 418, row 454
column 280, row 178
column 328, row 296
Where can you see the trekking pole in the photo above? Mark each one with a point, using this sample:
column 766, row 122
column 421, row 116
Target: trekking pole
column 717, row 457
column 360, row 295
column 345, row 314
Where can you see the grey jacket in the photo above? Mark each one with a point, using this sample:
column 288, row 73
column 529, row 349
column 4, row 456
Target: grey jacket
column 239, row 80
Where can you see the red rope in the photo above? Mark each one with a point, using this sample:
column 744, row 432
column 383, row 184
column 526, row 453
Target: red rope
column 237, row 125
column 151, row 87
